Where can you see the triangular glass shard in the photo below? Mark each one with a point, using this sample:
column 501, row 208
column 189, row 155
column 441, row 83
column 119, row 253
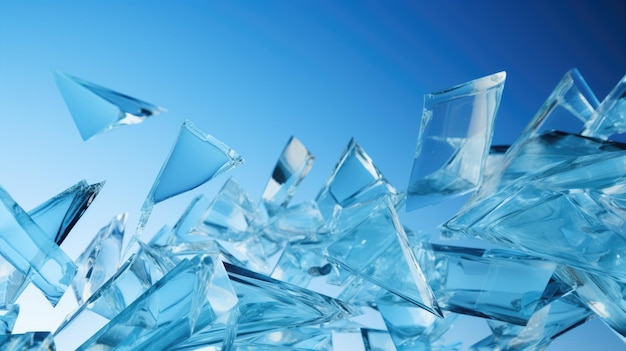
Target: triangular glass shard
column 195, row 158
column 610, row 117
column 100, row 260
column 267, row 304
column 58, row 215
column 31, row 341
column 353, row 190
column 453, row 141
column 28, row 248
column 96, row 109
column 378, row 250
column 193, row 295
column 293, row 165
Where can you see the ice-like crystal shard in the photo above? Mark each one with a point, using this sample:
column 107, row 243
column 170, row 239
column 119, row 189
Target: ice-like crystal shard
column 8, row 316
column 31, row 341
column 485, row 283
column 298, row 266
column 610, row 117
column 100, row 260
column 302, row 224
column 378, row 250
column 453, row 141
column 293, row 165
column 377, row 340
column 195, row 158
column 191, row 296
column 29, row 249
column 353, row 190
column 96, row 109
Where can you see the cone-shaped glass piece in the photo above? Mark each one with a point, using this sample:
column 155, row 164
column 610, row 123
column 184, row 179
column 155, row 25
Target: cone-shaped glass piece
column 293, row 165
column 453, row 141
column 610, row 117
column 96, row 109
column 194, row 159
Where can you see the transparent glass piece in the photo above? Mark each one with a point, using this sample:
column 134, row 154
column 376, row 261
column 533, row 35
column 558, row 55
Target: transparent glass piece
column 302, row 224
column 610, row 117
column 31, row 341
column 194, row 159
column 29, row 249
column 360, row 292
column 353, row 190
column 294, row 164
column 100, row 260
column 453, row 141
column 485, row 283
column 191, row 296
column 96, row 109
column 306, row 338
column 267, row 304
column 377, row 340
column 494, row 160
column 8, row 316
column 184, row 229
column 378, row 250
column 603, row 295
column 298, row 266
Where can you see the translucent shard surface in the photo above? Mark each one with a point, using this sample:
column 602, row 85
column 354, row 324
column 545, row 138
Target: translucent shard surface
column 29, row 249
column 353, row 190
column 375, row 340
column 378, row 250
column 293, row 165
column 453, row 141
column 97, row 109
column 610, row 117
column 194, row 159
column 31, row 341
column 8, row 316
column 191, row 296
column 485, row 283
column 100, row 260
column 302, row 223
column 298, row 266
column 308, row 338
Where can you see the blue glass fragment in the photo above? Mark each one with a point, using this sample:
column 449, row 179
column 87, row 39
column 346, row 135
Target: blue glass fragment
column 31, row 341
column 610, row 117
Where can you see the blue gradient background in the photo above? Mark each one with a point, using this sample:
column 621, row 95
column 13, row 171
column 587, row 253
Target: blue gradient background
column 254, row 73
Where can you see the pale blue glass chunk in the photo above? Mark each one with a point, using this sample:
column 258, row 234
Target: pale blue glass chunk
column 453, row 140
column 195, row 158
column 302, row 224
column 378, row 250
column 96, row 109
column 293, row 165
column 304, row 338
column 32, row 252
column 353, row 190
column 31, row 341
column 485, row 283
column 377, row 340
column 100, row 260
column 191, row 296
column 8, row 316
column 299, row 266
column 610, row 117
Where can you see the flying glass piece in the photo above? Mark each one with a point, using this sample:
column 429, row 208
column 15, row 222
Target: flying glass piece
column 302, row 224
column 96, row 109
column 453, row 141
column 31, row 252
column 299, row 266
column 354, row 189
column 293, row 165
column 31, row 341
column 100, row 260
column 194, row 159
column 610, row 117
column 378, row 250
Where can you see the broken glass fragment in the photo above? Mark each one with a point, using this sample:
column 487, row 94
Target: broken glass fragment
column 302, row 224
column 293, row 165
column 195, row 158
column 96, row 109
column 307, row 338
column 298, row 266
column 377, row 340
column 453, row 141
column 610, row 117
column 31, row 341
column 8, row 316
column 100, row 260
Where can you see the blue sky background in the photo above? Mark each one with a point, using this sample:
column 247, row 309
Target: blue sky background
column 254, row 73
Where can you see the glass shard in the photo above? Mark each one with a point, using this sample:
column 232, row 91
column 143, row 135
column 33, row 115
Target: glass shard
column 453, row 141
column 31, row 341
column 610, row 117
column 353, row 190
column 302, row 224
column 194, row 159
column 293, row 165
column 100, row 260
column 31, row 252
column 298, row 266
column 8, row 316
column 96, row 109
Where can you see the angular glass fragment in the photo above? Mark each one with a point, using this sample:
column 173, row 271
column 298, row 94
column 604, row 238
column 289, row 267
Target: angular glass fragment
column 494, row 159
column 377, row 340
column 360, row 292
column 453, row 141
column 307, row 338
column 194, row 159
column 298, row 266
column 293, row 165
column 353, row 190
column 96, row 109
column 191, row 296
column 31, row 252
column 31, row 341
column 8, row 316
column 610, row 117
column 378, row 250
column 100, row 260
column 302, row 224
column 485, row 283
column 267, row 304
